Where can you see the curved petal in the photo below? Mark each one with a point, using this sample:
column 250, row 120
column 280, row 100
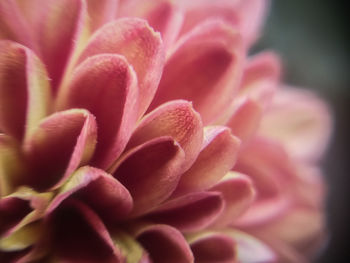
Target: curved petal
column 176, row 119
column 205, row 67
column 162, row 15
column 24, row 90
column 106, row 85
column 250, row 249
column 299, row 120
column 238, row 192
column 139, row 44
column 151, row 172
column 213, row 247
column 261, row 77
column 79, row 235
column 217, row 157
column 13, row 25
column 191, row 212
column 101, row 12
column 272, row 173
column 11, row 165
column 165, row 244
column 61, row 143
column 245, row 119
column 60, row 35
column 104, row 194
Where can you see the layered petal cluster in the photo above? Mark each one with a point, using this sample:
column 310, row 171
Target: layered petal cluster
column 141, row 131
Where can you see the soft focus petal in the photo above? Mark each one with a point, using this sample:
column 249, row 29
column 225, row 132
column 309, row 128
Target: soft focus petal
column 108, row 197
column 139, row 44
column 24, row 90
column 299, row 120
column 61, row 143
column 101, row 12
column 176, row 119
column 165, row 244
column 210, row 247
column 162, row 15
column 78, row 235
column 191, row 212
column 204, row 67
column 151, row 172
column 217, row 157
column 106, row 85
column 238, row 192
column 60, row 33
column 13, row 25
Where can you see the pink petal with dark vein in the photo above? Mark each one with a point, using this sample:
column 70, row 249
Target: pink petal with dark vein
column 12, row 211
column 60, row 31
column 106, row 85
column 176, row 119
column 165, row 244
column 238, row 192
column 104, row 194
column 151, row 172
column 24, row 90
column 77, row 234
column 162, row 15
column 139, row 44
column 217, row 157
column 61, row 143
column 101, row 12
column 261, row 77
column 245, row 119
column 213, row 247
column 13, row 25
column 191, row 212
column 205, row 67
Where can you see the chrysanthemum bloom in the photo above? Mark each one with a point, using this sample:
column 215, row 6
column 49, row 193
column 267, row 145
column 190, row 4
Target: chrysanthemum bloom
column 140, row 131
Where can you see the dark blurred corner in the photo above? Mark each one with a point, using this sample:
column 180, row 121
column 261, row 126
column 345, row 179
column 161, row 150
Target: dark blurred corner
column 312, row 36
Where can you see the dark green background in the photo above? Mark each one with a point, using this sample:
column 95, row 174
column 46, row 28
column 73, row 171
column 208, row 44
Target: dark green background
column 312, row 38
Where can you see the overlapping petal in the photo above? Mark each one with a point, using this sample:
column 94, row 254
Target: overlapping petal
column 106, row 85
column 25, row 95
column 204, row 67
column 61, row 143
column 142, row 47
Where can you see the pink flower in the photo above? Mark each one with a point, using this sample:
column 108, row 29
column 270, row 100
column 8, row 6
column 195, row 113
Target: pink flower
column 140, row 131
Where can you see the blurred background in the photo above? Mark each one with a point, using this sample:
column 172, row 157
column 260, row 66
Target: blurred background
column 312, row 38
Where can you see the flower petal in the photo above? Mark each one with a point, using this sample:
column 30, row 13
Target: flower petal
column 238, row 192
column 60, row 35
column 204, row 67
column 106, row 86
column 217, row 157
column 245, row 119
column 272, row 173
column 24, row 90
column 165, row 244
column 191, row 212
column 261, row 77
column 176, row 119
column 140, row 45
column 300, row 121
column 104, row 194
column 79, row 235
column 11, row 165
column 101, row 12
column 250, row 249
column 61, row 143
column 213, row 247
column 162, row 15
column 151, row 172
column 13, row 25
